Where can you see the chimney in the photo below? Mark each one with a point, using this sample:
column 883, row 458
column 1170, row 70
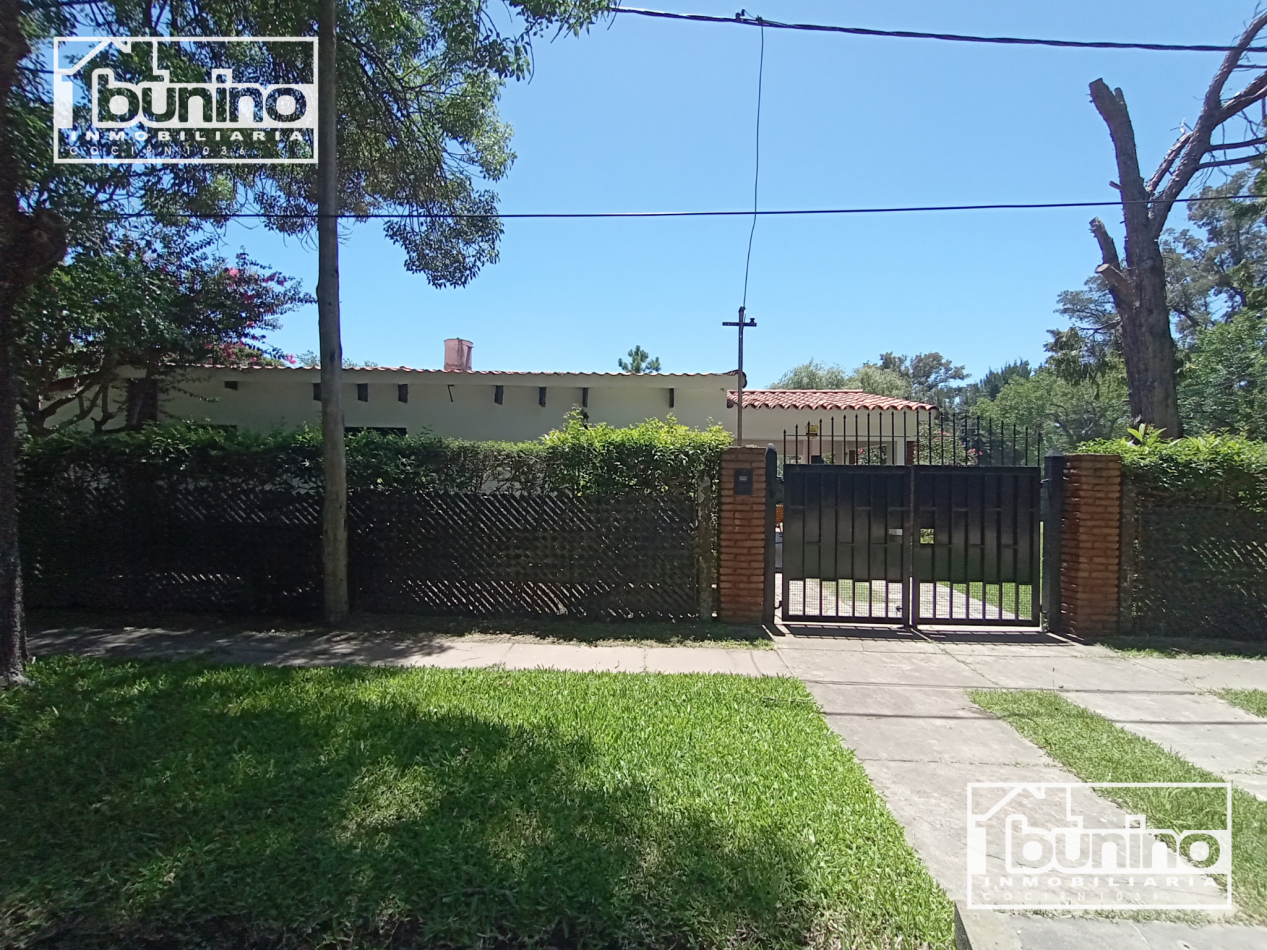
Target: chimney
column 457, row 356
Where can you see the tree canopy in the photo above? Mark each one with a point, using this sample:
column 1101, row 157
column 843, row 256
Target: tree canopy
column 640, row 361
column 419, row 135
column 928, row 377
column 155, row 302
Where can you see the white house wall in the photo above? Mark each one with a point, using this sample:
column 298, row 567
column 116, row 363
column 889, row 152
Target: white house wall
column 451, row 405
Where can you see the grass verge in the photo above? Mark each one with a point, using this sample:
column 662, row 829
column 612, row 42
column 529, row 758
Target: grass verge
column 1251, row 700
column 1182, row 647
column 188, row 804
column 1096, row 750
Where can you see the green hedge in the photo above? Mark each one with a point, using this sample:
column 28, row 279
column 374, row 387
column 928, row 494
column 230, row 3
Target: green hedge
column 655, row 456
column 1224, row 470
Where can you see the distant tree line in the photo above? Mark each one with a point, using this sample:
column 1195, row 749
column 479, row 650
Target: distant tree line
column 1216, row 271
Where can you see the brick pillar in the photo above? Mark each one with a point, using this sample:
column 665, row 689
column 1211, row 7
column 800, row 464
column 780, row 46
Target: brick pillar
column 741, row 537
column 1090, row 546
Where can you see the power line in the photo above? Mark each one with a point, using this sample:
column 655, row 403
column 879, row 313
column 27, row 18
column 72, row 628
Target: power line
column 756, row 178
column 775, row 212
column 742, row 19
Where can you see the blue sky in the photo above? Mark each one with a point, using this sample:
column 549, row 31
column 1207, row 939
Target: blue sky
column 655, row 115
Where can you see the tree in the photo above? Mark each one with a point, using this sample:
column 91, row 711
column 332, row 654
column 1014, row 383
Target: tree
column 880, row 381
column 640, row 361
column 1214, row 270
column 992, row 383
column 812, row 375
column 930, row 375
column 925, row 376
column 1223, row 383
column 418, row 83
column 156, row 302
column 1066, row 412
column 1138, row 286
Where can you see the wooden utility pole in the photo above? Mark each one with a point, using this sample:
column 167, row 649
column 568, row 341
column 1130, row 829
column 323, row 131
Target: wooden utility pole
column 334, row 512
column 740, row 323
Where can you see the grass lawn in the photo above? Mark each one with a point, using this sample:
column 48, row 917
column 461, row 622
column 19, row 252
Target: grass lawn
column 1250, row 700
column 188, row 804
column 1185, row 646
column 1096, row 750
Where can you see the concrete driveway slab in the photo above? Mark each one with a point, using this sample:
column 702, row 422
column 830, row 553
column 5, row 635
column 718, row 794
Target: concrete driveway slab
column 1057, row 671
column 1208, row 673
column 910, row 669
column 1086, row 933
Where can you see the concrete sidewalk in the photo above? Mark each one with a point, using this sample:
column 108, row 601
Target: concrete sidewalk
column 899, row 700
column 332, row 649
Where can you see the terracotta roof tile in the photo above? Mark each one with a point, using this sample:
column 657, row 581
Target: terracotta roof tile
column 820, row 399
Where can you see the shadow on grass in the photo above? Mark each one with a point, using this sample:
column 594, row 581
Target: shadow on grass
column 231, row 808
column 1184, row 646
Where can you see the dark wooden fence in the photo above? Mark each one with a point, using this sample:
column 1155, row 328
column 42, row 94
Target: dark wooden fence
column 1192, row 571
column 213, row 545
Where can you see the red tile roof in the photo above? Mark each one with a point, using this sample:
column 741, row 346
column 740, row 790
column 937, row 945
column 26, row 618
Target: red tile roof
column 820, row 399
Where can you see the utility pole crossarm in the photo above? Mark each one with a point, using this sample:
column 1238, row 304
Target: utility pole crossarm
column 741, row 323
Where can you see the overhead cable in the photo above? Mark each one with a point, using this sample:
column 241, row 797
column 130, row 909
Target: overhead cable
column 779, row 212
column 743, row 19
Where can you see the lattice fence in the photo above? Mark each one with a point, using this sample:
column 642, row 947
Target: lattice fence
column 210, row 546
column 1198, row 572
column 627, row 556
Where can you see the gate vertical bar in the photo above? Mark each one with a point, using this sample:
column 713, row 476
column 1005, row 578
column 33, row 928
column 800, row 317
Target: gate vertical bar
column 912, row 539
column 1053, row 515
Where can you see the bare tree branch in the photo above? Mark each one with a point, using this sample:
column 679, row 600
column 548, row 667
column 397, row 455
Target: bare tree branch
column 1245, row 98
column 1222, row 162
column 1111, row 269
column 1232, row 145
column 1214, row 112
column 1167, row 163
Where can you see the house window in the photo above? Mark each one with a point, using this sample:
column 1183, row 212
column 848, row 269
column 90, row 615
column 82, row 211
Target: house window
column 362, row 392
column 316, row 391
column 402, row 392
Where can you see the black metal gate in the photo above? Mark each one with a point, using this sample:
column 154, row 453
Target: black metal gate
column 933, row 544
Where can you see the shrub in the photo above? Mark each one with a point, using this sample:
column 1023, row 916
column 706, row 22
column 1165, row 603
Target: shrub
column 654, row 456
column 1224, row 470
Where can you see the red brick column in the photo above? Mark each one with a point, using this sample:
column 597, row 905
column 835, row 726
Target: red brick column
column 1090, row 545
column 741, row 537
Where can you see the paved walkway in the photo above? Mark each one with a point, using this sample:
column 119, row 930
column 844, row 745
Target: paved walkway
column 288, row 649
column 899, row 700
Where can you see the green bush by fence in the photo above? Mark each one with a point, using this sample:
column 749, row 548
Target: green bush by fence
column 1217, row 470
column 656, row 456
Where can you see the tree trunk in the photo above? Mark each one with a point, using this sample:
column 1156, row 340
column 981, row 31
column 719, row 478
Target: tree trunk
column 13, row 48
column 29, row 246
column 334, row 513
column 1147, row 344
column 13, row 652
column 1139, row 289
